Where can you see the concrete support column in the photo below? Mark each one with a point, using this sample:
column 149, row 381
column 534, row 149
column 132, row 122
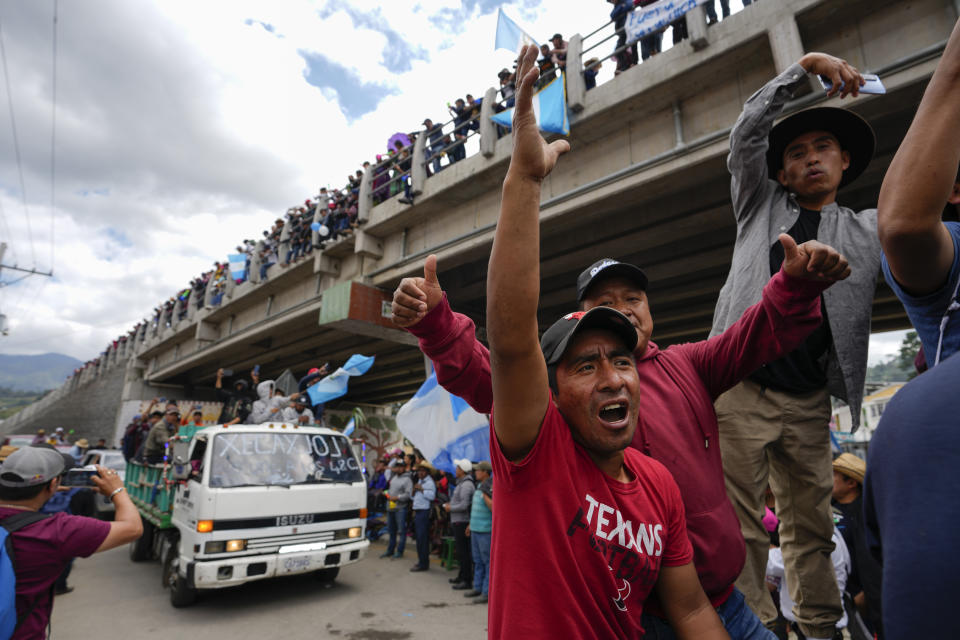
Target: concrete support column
column 697, row 27
column 319, row 212
column 174, row 315
column 576, row 87
column 284, row 245
column 254, row 275
column 365, row 198
column 418, row 170
column 488, row 130
column 785, row 43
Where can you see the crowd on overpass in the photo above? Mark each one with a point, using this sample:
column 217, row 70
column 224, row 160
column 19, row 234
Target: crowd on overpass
column 333, row 213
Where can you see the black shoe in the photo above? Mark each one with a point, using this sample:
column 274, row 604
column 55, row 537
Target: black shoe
column 404, row 200
column 386, row 555
column 60, row 592
column 417, row 567
column 481, row 600
column 454, row 580
column 460, row 586
column 473, row 593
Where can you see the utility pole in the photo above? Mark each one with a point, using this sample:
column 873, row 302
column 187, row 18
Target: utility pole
column 4, row 329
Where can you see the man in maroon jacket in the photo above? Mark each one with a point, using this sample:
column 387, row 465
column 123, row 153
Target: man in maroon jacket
column 678, row 426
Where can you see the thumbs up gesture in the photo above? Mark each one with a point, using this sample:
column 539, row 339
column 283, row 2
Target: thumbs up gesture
column 416, row 297
column 813, row 260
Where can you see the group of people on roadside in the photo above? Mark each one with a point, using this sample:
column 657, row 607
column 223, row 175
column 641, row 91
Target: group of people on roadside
column 659, row 528
column 405, row 484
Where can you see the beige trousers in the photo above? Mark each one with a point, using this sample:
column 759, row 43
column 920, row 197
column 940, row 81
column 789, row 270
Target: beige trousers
column 782, row 438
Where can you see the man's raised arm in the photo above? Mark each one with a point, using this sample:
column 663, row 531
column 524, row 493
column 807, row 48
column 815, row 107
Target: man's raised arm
column 518, row 370
column 921, row 180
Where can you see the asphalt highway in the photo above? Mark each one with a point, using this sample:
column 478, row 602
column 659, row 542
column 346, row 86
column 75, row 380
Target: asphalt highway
column 371, row 600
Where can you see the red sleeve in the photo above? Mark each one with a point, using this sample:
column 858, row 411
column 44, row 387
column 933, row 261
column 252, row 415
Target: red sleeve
column 677, row 550
column 462, row 364
column 788, row 311
column 80, row 536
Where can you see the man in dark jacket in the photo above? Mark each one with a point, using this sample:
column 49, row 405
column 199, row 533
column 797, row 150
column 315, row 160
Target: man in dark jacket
column 237, row 403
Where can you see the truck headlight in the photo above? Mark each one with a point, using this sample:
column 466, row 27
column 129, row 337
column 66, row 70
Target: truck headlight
column 214, row 547
column 236, row 545
column 355, row 532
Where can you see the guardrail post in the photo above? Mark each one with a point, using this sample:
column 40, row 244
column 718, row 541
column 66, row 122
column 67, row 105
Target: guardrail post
column 319, row 212
column 254, row 275
column 576, row 87
column 365, row 199
column 697, row 27
column 418, row 167
column 785, row 43
column 488, row 130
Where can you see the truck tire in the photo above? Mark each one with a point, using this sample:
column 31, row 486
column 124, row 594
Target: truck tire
column 181, row 593
column 141, row 549
column 328, row 575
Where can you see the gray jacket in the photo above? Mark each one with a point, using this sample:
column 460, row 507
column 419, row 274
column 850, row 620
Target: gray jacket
column 462, row 500
column 764, row 209
column 401, row 489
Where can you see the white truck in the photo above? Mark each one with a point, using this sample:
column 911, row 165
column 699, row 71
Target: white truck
column 238, row 503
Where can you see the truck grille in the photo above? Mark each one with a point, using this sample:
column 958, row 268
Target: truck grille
column 273, row 543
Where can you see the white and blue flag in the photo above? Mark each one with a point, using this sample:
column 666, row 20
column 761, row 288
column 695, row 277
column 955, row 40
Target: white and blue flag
column 335, row 384
column 549, row 106
column 654, row 17
column 510, row 35
column 444, row 427
column 238, row 266
column 350, row 427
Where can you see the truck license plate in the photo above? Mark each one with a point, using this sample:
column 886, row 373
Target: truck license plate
column 295, row 564
column 287, row 521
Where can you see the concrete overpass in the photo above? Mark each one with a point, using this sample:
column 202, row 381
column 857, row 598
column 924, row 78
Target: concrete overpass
column 645, row 182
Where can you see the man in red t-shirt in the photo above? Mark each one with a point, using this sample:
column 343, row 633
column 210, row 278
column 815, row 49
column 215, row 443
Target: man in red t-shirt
column 574, row 555
column 28, row 478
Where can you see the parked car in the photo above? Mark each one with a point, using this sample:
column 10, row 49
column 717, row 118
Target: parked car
column 111, row 459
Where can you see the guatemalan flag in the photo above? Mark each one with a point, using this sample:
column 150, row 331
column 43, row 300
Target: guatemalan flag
column 549, row 106
column 444, row 427
column 238, row 266
column 510, row 35
column 335, row 384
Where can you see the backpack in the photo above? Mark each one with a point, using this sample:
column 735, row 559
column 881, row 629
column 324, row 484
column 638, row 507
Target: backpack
column 9, row 620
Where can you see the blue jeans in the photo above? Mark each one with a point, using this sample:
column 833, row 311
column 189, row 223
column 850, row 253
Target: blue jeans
column 397, row 524
column 739, row 621
column 434, row 150
column 480, row 545
column 421, row 528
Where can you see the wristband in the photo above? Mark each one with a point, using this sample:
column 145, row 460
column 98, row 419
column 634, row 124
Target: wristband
column 114, row 492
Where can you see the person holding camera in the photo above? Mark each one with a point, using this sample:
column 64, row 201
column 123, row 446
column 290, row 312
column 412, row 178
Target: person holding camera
column 42, row 544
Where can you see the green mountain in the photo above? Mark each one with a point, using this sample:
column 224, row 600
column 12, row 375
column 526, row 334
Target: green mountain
column 35, row 373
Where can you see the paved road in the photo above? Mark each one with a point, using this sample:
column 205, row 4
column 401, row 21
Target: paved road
column 371, row 600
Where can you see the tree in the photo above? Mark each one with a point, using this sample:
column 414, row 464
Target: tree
column 908, row 352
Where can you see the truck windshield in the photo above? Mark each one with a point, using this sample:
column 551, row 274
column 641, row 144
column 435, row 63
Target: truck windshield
column 258, row 459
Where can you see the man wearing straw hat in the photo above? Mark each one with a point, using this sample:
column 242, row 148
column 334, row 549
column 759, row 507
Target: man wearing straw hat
column 864, row 583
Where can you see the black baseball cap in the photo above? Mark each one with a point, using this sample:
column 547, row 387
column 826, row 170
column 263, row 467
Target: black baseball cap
column 607, row 267
column 555, row 339
column 854, row 134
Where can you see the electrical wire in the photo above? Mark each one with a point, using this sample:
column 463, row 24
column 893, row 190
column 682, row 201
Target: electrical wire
column 16, row 146
column 53, row 140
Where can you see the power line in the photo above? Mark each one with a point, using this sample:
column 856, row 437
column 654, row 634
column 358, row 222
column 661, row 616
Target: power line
column 53, row 138
column 16, row 145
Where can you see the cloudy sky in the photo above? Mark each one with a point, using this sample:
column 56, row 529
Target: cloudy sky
column 183, row 127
